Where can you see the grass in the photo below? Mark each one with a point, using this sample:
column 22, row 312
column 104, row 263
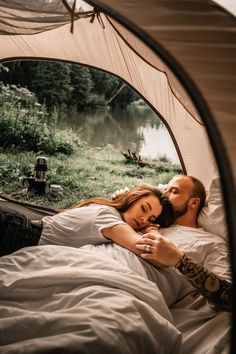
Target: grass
column 88, row 172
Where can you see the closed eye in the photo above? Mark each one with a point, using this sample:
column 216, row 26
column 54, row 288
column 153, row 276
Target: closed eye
column 152, row 219
column 146, row 208
column 143, row 208
column 173, row 190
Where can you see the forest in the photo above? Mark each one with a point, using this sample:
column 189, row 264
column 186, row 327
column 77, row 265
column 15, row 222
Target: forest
column 73, row 85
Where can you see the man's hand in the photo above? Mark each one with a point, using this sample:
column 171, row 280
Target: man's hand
column 158, row 250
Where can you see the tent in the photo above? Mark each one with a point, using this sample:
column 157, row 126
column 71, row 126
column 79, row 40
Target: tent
column 179, row 55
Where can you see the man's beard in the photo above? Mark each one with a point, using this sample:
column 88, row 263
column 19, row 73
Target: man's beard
column 180, row 212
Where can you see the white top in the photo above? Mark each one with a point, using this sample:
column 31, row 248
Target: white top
column 203, row 247
column 79, row 226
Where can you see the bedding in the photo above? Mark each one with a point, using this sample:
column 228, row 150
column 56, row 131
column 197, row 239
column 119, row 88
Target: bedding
column 204, row 331
column 68, row 300
column 101, row 299
column 203, row 247
column 212, row 216
column 104, row 299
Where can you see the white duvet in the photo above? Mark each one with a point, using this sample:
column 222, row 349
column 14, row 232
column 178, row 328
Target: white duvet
column 67, row 300
column 101, row 299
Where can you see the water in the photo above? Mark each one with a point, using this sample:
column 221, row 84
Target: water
column 135, row 128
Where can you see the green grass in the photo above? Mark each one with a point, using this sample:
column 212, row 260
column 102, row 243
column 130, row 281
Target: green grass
column 88, row 172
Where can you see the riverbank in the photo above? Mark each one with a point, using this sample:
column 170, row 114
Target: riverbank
column 87, row 173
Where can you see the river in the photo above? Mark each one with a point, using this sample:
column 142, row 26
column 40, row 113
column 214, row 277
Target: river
column 135, row 128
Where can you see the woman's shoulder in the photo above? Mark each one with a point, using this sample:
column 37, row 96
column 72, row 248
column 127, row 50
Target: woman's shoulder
column 101, row 208
column 98, row 209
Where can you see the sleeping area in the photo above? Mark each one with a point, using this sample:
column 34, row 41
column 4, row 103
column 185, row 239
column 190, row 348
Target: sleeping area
column 104, row 298
column 150, row 269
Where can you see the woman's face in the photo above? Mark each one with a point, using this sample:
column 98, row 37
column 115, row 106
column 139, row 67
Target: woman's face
column 143, row 212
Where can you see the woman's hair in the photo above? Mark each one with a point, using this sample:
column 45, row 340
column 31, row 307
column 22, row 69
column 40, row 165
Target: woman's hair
column 123, row 202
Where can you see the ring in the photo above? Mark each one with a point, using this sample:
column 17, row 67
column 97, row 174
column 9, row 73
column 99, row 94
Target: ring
column 148, row 248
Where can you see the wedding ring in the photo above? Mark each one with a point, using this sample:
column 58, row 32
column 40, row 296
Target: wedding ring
column 148, row 248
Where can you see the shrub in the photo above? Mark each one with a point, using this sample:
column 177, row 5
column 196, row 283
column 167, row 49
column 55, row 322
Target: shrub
column 25, row 124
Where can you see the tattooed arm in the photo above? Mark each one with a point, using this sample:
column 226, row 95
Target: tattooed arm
column 160, row 251
column 216, row 290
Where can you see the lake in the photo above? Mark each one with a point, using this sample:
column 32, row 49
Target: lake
column 136, row 128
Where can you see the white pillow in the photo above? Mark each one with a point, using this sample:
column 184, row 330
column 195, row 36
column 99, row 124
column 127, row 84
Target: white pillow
column 212, row 216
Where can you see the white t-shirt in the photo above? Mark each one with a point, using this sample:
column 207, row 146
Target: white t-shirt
column 79, row 226
column 203, row 247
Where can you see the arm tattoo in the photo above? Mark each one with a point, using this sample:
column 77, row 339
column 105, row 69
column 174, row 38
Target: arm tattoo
column 216, row 290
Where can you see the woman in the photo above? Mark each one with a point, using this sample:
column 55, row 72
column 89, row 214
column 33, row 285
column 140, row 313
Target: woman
column 93, row 221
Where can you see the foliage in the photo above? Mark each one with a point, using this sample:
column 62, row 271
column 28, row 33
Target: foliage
column 65, row 85
column 164, row 158
column 3, row 68
column 24, row 126
column 82, row 83
column 51, row 83
column 113, row 89
column 19, row 73
column 125, row 97
column 104, row 84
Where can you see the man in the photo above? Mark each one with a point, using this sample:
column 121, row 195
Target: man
column 202, row 257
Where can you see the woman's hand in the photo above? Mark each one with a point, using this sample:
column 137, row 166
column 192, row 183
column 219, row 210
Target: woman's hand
column 149, row 228
column 158, row 250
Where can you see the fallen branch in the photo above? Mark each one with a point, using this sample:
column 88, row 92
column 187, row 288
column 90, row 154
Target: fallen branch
column 133, row 158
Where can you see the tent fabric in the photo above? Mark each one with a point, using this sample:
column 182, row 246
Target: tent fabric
column 113, row 48
column 31, row 17
column 199, row 34
column 33, row 212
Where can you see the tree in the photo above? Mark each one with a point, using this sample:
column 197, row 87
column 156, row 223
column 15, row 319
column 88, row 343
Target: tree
column 105, row 84
column 51, row 83
column 19, row 73
column 3, row 68
column 82, row 83
column 60, row 84
column 125, row 96
column 114, row 90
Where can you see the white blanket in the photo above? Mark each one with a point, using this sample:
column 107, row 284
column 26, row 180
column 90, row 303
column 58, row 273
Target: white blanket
column 67, row 300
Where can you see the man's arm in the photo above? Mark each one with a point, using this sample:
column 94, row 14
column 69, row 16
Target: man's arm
column 164, row 253
column 215, row 289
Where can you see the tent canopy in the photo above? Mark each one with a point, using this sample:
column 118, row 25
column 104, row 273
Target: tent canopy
column 180, row 56
column 42, row 29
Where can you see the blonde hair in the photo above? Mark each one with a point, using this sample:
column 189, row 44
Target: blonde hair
column 123, row 202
